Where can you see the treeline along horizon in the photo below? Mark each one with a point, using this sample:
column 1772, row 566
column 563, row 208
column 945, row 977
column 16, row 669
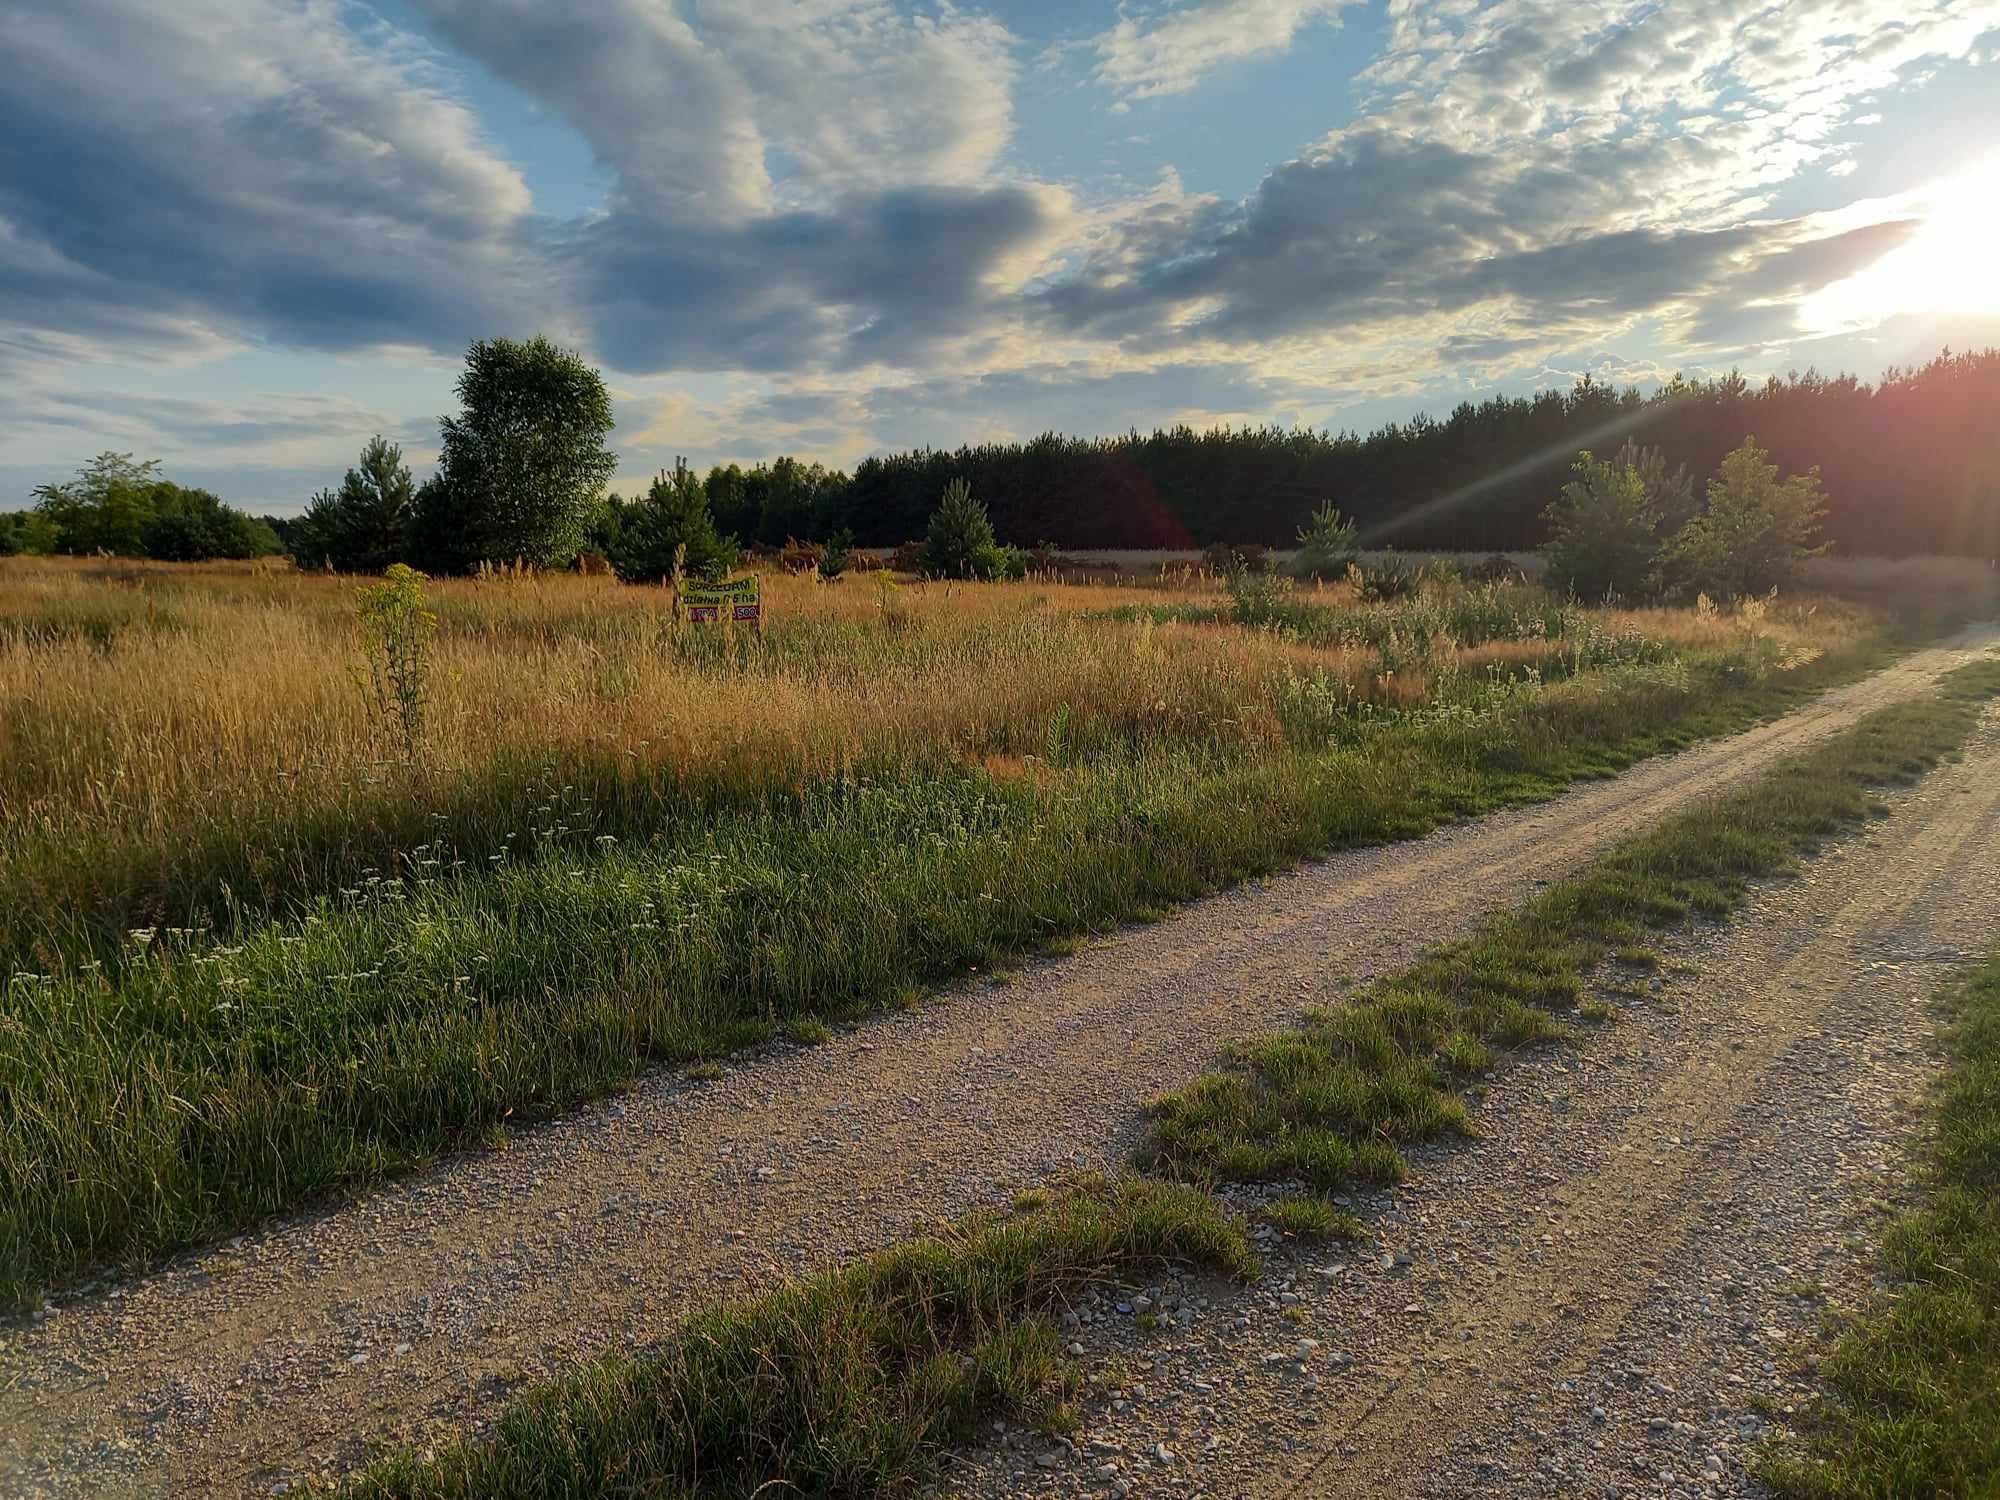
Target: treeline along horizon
column 1911, row 464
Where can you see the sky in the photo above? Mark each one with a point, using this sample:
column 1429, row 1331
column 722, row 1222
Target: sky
column 243, row 236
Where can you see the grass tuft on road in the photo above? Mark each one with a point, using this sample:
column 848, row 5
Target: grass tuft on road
column 1916, row 1381
column 851, row 1383
column 1331, row 1100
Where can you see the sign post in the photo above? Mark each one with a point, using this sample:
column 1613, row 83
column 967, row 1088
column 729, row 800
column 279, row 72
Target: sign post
column 739, row 600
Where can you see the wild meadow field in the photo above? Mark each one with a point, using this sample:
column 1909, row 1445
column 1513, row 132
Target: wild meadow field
column 260, row 941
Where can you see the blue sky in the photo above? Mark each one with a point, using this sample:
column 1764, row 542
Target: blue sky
column 245, row 235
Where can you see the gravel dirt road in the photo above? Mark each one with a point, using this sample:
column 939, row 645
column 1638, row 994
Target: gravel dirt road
column 415, row 1312
column 1620, row 1284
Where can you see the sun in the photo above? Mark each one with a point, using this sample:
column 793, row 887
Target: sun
column 1951, row 264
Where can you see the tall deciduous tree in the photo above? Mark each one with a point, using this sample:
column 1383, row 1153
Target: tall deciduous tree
column 105, row 508
column 124, row 507
column 522, row 467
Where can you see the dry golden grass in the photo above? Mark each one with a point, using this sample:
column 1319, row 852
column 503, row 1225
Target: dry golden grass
column 149, row 696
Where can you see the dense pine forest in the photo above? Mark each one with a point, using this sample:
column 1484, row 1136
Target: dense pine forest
column 1910, row 465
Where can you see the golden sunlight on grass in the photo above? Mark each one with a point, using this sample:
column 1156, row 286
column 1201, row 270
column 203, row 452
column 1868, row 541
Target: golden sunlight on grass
column 148, row 696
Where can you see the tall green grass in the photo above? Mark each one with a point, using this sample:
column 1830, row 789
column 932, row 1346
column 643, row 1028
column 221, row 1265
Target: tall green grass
column 200, row 1085
column 1463, row 617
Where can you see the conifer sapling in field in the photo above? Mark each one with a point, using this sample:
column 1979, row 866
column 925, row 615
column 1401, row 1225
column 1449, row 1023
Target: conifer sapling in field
column 1327, row 545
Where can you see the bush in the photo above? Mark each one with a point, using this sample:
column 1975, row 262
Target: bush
column 1757, row 532
column 115, row 505
column 961, row 542
column 194, row 526
column 1000, row 564
column 1255, row 596
column 26, row 532
column 1386, row 582
column 1326, row 545
column 837, row 555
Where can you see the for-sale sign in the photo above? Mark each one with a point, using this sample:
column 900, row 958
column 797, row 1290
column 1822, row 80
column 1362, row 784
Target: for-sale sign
column 738, row 599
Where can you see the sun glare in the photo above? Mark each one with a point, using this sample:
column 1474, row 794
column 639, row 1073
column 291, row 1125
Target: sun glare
column 1951, row 263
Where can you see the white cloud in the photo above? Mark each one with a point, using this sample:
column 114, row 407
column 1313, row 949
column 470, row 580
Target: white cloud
column 1736, row 96
column 217, row 167
column 1169, row 54
column 740, row 108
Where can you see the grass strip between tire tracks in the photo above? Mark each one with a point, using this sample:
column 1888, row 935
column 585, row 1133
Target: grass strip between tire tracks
column 1915, row 1381
column 854, row 1383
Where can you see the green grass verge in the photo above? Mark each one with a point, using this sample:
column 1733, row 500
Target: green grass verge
column 1915, row 1404
column 203, row 1086
column 852, row 1383
column 1333, row 1099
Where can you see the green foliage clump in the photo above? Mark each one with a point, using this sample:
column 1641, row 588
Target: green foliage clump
column 1327, row 546
column 642, row 539
column 26, row 533
column 193, row 526
column 361, row 527
column 1757, row 531
column 1387, row 581
column 771, row 503
column 961, row 544
column 397, row 625
column 838, row 554
column 125, row 508
column 522, row 467
column 1256, row 598
column 105, row 508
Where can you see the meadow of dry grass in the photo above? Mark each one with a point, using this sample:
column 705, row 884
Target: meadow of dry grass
column 144, row 696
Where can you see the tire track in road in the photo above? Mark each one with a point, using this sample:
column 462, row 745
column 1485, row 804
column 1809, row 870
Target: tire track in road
column 413, row 1313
